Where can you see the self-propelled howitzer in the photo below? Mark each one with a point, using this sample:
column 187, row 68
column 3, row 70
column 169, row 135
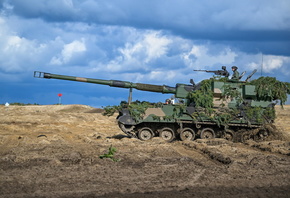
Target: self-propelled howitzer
column 212, row 108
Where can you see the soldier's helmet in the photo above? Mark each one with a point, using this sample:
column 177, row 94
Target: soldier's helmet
column 234, row 67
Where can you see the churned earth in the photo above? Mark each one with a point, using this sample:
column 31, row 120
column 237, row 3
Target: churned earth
column 54, row 151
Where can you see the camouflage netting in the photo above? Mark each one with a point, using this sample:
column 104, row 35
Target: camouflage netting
column 110, row 110
column 259, row 114
column 137, row 109
column 269, row 89
column 202, row 97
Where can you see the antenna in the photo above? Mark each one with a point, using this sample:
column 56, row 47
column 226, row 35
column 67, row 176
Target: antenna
column 262, row 65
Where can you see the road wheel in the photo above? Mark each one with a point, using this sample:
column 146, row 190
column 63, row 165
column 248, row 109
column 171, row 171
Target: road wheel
column 145, row 134
column 229, row 135
column 261, row 135
column 187, row 134
column 246, row 136
column 167, row 134
column 207, row 133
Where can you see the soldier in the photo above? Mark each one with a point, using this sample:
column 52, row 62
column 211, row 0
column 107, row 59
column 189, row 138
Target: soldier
column 225, row 72
column 236, row 74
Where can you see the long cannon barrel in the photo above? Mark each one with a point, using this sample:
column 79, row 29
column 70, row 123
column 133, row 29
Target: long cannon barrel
column 112, row 83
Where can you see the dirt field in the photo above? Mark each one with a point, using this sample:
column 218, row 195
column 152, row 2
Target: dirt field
column 53, row 151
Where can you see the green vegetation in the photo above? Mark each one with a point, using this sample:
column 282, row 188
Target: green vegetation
column 223, row 118
column 269, row 89
column 110, row 110
column 137, row 109
column 110, row 154
column 259, row 114
column 203, row 97
column 178, row 110
column 230, row 93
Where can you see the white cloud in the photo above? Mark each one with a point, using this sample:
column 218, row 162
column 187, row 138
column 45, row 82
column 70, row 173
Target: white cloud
column 151, row 45
column 155, row 45
column 164, row 76
column 272, row 63
column 267, row 64
column 68, row 51
column 17, row 53
column 139, row 53
column 199, row 57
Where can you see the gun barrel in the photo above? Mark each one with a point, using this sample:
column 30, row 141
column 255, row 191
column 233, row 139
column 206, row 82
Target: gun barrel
column 209, row 71
column 112, row 83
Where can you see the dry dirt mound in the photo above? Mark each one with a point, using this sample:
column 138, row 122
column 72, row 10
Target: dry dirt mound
column 282, row 121
column 53, row 151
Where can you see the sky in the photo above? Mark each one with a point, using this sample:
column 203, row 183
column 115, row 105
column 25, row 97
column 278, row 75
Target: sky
column 154, row 41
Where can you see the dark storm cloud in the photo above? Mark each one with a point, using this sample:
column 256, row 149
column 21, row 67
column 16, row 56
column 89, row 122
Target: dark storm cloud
column 227, row 20
column 186, row 15
column 57, row 11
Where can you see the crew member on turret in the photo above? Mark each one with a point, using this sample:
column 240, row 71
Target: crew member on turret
column 236, row 74
column 225, row 72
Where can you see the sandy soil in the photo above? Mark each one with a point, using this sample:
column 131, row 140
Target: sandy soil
column 53, row 151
